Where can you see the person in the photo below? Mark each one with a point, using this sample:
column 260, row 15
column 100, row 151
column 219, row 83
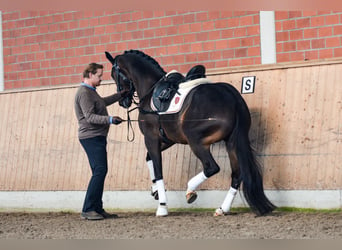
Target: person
column 94, row 122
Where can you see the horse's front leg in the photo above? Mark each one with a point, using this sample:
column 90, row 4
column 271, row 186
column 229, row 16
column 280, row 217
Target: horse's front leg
column 155, row 163
column 149, row 162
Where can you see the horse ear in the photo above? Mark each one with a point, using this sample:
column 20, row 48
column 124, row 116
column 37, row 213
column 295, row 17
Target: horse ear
column 109, row 57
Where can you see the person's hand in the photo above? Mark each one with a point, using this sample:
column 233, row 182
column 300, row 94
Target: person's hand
column 116, row 120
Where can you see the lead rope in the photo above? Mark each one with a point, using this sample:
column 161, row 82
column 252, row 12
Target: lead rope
column 130, row 126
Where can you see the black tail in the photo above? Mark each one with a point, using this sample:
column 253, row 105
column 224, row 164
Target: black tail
column 250, row 169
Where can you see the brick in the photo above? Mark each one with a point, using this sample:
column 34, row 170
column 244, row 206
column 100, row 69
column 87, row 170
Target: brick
column 282, row 36
column 166, row 21
column 253, row 30
column 190, row 58
column 178, row 59
column 221, row 44
column 221, row 24
column 256, row 19
column 253, row 51
column 227, row 33
column 240, row 32
column 176, row 20
column 309, row 13
column 247, row 61
column 215, row 55
column 338, row 29
column 246, row 41
column 228, row 53
column 283, row 57
column 325, row 31
column 189, row 18
column 293, row 14
column 171, row 30
column 178, row 39
column 310, row 33
column 296, row 34
column 289, row 24
column 202, row 36
column 233, row 22
column 153, row 23
column 234, row 62
column 332, row 42
column 302, row 23
column 338, row 52
column 221, row 64
column 297, row 56
column 280, row 15
column 332, row 19
column 241, row 52
column 234, row 43
column 246, row 20
column 214, row 35
column 184, row 48
column 195, row 27
column 303, row 45
column 204, row 56
column 311, row 55
column 208, row 45
column 202, row 16
column 318, row 43
column 213, row 15
column 325, row 53
column 317, row 21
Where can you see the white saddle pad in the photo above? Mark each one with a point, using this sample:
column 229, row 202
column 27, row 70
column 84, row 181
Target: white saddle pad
column 177, row 101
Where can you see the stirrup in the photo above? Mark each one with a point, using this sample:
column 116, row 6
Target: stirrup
column 191, row 196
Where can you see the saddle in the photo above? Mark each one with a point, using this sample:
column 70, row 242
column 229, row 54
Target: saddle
column 167, row 87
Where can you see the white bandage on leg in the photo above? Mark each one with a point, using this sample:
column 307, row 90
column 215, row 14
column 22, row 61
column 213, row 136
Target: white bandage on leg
column 161, row 191
column 227, row 203
column 196, row 181
column 151, row 169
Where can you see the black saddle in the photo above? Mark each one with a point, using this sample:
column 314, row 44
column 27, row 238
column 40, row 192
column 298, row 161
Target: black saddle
column 167, row 87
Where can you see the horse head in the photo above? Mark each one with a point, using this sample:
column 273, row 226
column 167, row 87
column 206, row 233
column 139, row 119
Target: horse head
column 122, row 81
column 134, row 71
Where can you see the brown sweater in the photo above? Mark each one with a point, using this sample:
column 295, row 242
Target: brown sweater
column 91, row 112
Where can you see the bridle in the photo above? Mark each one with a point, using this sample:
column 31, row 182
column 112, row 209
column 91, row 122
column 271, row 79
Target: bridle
column 120, row 75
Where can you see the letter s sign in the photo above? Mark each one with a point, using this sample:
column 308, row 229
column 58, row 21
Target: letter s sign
column 248, row 83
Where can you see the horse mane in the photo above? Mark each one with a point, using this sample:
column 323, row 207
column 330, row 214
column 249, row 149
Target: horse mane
column 148, row 58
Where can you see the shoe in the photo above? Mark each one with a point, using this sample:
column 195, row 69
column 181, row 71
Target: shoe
column 91, row 215
column 108, row 215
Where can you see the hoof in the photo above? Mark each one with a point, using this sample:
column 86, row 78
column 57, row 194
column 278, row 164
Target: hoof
column 219, row 212
column 162, row 211
column 191, row 196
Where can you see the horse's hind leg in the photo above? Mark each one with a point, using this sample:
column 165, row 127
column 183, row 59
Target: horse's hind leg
column 235, row 182
column 210, row 168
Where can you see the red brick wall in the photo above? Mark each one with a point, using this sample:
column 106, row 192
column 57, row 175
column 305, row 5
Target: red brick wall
column 308, row 35
column 46, row 48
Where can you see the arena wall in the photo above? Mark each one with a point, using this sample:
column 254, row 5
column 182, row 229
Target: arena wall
column 296, row 131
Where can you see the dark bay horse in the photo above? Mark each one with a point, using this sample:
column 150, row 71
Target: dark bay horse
column 211, row 112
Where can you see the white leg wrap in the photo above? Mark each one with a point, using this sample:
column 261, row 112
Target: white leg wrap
column 196, row 181
column 162, row 207
column 161, row 191
column 151, row 170
column 227, row 203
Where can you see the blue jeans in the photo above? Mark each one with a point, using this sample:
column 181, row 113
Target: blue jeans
column 97, row 155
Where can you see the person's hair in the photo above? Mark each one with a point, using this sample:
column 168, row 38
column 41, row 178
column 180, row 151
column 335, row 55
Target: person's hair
column 91, row 68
